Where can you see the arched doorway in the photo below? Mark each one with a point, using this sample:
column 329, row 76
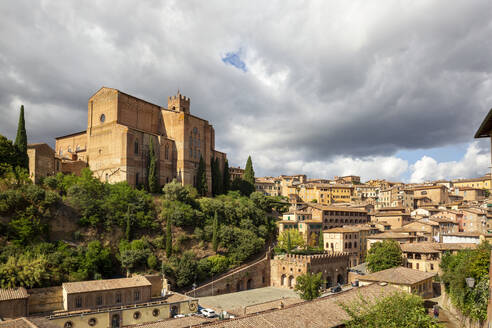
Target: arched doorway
column 174, row 310
column 228, row 288
column 238, row 286
column 328, row 282
column 115, row 321
column 340, row 279
column 291, row 281
column 282, row 280
column 249, row 284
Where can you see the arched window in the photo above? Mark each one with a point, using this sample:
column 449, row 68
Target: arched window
column 69, row 149
column 166, row 153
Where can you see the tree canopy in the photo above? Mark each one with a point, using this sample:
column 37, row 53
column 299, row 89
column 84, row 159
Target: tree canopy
column 397, row 310
column 384, row 255
column 456, row 268
column 308, row 286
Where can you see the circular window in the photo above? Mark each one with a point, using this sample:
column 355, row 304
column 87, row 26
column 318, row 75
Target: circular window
column 102, row 118
column 68, row 324
column 155, row 312
column 136, row 315
column 92, row 322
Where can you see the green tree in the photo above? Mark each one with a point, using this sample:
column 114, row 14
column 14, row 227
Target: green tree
column 308, row 286
column 218, row 264
column 397, row 310
column 226, row 178
column 152, row 171
column 21, row 140
column 219, row 188
column 10, row 156
column 215, row 240
column 186, row 270
column 321, row 240
column 214, row 177
column 169, row 239
column 295, row 237
column 201, row 178
column 475, row 263
column 384, row 255
column 249, row 173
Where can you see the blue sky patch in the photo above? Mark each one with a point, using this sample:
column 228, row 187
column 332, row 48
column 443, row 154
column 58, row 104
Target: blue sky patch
column 234, row 59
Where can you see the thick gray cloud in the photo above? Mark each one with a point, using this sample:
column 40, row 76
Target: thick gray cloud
column 326, row 83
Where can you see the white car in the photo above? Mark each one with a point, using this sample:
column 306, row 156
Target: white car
column 209, row 313
column 179, row 316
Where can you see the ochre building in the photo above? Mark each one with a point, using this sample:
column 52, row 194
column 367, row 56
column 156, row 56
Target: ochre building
column 120, row 129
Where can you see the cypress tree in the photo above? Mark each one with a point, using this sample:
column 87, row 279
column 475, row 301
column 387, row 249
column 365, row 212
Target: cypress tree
column 201, row 178
column 226, row 180
column 215, row 232
column 152, row 174
column 21, row 139
column 289, row 242
column 214, row 178
column 169, row 239
column 249, row 173
column 218, row 178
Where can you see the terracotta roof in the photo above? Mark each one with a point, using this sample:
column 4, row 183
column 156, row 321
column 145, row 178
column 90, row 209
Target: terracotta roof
column 323, row 312
column 13, row 294
column 391, row 214
column 105, row 284
column 398, row 276
column 336, row 208
column 442, row 220
column 390, row 235
column 463, row 234
column 419, row 248
column 342, row 229
column 454, row 247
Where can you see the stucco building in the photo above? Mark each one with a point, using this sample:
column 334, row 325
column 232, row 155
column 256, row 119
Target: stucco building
column 409, row 280
column 286, row 268
column 120, row 129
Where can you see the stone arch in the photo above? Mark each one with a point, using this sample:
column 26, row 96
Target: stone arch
column 329, row 281
column 249, row 284
column 292, row 281
column 228, row 288
column 283, row 282
column 340, row 279
column 115, row 321
column 238, row 286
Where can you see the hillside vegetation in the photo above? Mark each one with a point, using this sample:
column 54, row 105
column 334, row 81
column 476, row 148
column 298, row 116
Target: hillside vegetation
column 110, row 230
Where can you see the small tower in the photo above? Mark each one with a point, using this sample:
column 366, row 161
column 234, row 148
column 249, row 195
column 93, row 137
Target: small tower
column 178, row 103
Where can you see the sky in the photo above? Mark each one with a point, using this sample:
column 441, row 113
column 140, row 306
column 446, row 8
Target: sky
column 380, row 89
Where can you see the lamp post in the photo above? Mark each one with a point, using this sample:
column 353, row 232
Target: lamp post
column 194, row 291
column 470, row 282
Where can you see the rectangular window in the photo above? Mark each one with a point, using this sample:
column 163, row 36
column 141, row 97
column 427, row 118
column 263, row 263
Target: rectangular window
column 137, row 295
column 136, row 148
column 99, row 300
column 118, row 298
column 78, row 302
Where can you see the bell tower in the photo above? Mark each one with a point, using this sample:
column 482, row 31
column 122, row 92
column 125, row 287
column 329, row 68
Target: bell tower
column 178, row 103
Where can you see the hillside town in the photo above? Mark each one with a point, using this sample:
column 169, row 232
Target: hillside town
column 245, row 164
column 329, row 230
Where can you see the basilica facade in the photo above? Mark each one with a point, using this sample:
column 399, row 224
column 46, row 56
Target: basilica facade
column 120, row 128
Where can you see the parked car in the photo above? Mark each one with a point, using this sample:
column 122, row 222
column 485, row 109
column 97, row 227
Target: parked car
column 209, row 313
column 336, row 289
column 179, row 316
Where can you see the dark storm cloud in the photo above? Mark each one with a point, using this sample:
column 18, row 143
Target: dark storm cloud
column 323, row 80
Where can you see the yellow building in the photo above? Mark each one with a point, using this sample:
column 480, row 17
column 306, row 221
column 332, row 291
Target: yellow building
column 325, row 193
column 479, row 183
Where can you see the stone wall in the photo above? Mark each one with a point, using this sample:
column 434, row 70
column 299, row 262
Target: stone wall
column 45, row 299
column 249, row 276
column 465, row 322
column 286, row 268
